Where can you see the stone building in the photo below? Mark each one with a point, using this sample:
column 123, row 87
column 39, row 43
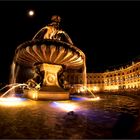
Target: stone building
column 124, row 78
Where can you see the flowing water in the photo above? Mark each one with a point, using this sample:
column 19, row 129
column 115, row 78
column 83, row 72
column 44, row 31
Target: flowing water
column 84, row 73
column 13, row 74
column 8, row 86
column 10, row 92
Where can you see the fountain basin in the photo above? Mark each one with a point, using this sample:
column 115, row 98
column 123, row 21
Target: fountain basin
column 49, row 51
column 47, row 93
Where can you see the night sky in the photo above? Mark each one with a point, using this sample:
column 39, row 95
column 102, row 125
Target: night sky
column 107, row 32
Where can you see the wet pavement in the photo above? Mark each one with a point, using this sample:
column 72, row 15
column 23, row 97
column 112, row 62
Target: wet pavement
column 114, row 116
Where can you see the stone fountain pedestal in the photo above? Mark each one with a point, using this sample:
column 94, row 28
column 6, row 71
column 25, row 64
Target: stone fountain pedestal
column 50, row 89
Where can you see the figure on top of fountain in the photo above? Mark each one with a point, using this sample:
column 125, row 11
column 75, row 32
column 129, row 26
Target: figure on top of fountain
column 52, row 31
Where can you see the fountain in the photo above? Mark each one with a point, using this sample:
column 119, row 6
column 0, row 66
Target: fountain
column 50, row 53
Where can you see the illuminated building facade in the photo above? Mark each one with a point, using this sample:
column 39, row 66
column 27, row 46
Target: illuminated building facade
column 126, row 78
